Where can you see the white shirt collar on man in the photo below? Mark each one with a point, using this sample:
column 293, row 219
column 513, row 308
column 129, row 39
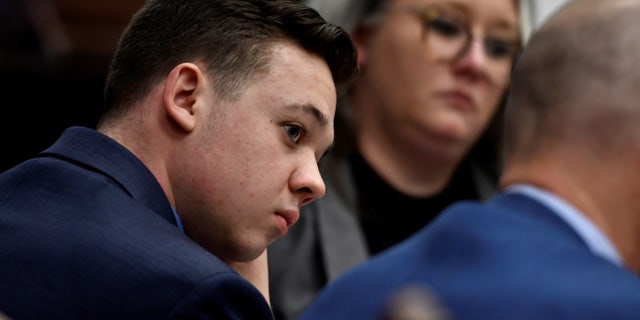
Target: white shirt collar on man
column 595, row 239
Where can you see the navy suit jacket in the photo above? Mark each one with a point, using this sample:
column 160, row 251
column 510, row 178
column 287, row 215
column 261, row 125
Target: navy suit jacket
column 86, row 232
column 511, row 258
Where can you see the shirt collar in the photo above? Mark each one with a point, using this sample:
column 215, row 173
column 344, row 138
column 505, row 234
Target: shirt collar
column 178, row 220
column 595, row 239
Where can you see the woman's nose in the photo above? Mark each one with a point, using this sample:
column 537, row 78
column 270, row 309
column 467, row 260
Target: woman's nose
column 474, row 60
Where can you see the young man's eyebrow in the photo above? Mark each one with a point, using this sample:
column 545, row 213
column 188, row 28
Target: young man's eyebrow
column 320, row 117
column 311, row 109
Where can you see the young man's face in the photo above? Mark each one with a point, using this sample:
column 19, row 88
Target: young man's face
column 255, row 160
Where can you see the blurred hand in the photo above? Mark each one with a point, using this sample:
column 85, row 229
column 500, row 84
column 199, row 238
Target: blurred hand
column 414, row 303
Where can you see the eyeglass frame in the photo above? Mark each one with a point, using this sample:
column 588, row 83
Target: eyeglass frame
column 428, row 14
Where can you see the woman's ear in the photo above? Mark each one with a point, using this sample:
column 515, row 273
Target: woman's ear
column 180, row 94
column 361, row 37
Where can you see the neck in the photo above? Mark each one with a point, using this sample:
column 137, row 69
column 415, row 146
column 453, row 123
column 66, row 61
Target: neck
column 405, row 156
column 133, row 136
column 611, row 208
column 409, row 171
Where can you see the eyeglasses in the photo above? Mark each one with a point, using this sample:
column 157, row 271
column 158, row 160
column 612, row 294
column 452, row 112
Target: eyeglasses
column 449, row 37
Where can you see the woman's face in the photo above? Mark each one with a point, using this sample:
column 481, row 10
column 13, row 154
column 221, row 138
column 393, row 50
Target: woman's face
column 434, row 71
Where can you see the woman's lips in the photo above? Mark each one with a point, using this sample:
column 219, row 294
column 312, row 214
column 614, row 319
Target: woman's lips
column 460, row 100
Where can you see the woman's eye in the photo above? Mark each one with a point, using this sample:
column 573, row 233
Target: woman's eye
column 445, row 27
column 294, row 132
column 498, row 48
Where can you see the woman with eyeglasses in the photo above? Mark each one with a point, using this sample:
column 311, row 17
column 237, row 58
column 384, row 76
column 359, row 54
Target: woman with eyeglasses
column 417, row 132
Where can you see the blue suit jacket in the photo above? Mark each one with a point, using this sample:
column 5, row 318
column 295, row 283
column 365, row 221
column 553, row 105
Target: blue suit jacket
column 86, row 232
column 511, row 258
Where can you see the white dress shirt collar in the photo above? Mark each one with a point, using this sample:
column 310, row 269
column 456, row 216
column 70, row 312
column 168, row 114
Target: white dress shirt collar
column 595, row 239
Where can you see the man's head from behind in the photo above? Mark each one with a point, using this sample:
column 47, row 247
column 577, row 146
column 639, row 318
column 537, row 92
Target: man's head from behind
column 576, row 79
column 573, row 115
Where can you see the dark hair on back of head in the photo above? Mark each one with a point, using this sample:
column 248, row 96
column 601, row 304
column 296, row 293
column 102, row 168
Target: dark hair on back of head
column 232, row 38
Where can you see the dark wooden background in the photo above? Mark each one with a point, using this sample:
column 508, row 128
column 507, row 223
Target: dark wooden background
column 53, row 60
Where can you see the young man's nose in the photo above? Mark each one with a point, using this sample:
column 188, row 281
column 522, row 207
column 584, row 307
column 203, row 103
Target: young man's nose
column 307, row 183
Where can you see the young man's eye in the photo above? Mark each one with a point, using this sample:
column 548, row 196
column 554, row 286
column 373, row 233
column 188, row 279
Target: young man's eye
column 295, row 133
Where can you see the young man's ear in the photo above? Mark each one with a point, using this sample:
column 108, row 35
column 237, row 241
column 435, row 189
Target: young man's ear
column 180, row 92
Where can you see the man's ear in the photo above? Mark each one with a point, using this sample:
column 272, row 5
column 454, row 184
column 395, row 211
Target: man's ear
column 179, row 94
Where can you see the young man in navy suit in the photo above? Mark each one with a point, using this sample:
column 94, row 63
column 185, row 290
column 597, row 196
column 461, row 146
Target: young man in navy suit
column 562, row 239
column 217, row 113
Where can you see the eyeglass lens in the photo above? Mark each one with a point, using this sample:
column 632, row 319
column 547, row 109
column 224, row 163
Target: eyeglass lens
column 449, row 36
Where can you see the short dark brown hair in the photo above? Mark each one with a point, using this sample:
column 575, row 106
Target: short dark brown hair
column 233, row 38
